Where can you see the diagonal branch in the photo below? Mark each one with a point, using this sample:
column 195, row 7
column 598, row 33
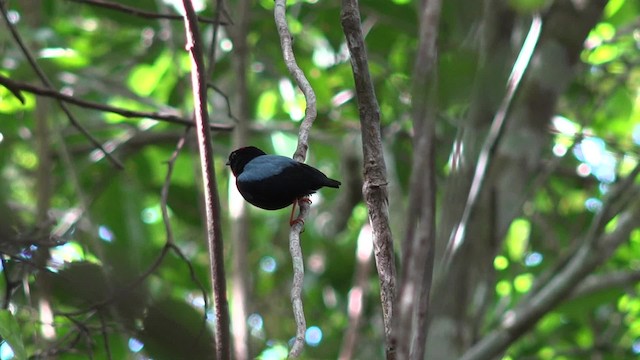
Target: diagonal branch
column 144, row 13
column 16, row 87
column 493, row 138
column 589, row 256
column 45, row 80
column 375, row 173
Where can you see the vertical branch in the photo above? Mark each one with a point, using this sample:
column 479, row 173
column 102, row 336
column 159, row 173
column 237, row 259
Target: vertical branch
column 310, row 97
column 240, row 225
column 375, row 173
column 300, row 154
column 212, row 203
column 410, row 326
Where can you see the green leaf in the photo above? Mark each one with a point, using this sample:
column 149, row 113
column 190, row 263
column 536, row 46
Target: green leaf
column 267, row 105
column 173, row 329
column 144, row 79
column 603, row 54
column 10, row 332
column 518, row 239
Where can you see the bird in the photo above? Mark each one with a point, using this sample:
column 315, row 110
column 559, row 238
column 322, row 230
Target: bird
column 273, row 182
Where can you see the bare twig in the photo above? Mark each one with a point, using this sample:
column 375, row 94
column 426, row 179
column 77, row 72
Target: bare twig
column 601, row 282
column 47, row 83
column 226, row 99
column 143, row 13
column 212, row 201
column 495, row 134
column 375, row 173
column 105, row 335
column 211, row 58
column 16, row 87
column 164, row 195
column 169, row 245
column 410, row 327
column 300, row 154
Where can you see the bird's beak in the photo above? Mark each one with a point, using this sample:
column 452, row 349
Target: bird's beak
column 228, row 163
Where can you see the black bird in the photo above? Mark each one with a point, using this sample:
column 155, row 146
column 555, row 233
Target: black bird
column 274, row 182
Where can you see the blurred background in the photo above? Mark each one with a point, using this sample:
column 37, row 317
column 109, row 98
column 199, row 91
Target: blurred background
column 86, row 272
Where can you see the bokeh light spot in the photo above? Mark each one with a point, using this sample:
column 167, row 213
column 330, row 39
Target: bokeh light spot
column 135, row 345
column 583, row 170
column 151, row 215
column 6, row 352
column 313, row 336
column 500, row 262
column 268, row 264
column 105, row 234
column 592, row 204
column 533, row 259
column 522, row 283
column 255, row 322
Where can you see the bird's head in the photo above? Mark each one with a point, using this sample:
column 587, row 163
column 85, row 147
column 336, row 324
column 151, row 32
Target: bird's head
column 240, row 157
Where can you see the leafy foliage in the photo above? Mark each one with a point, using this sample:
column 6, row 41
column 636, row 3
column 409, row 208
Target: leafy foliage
column 84, row 245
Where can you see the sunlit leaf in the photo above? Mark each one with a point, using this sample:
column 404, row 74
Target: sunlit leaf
column 11, row 333
column 267, row 105
column 146, row 78
column 602, row 54
column 522, row 283
column 517, row 239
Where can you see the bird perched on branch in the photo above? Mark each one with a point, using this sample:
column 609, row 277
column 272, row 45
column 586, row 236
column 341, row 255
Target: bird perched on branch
column 274, row 182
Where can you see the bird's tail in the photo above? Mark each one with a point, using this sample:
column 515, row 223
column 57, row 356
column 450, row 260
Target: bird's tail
column 332, row 183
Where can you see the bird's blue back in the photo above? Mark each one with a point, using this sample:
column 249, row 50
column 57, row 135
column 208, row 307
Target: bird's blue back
column 265, row 166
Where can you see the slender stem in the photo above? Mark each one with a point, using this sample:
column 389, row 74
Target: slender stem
column 212, row 201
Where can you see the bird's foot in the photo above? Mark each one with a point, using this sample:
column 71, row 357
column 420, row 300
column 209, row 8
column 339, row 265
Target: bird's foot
column 297, row 220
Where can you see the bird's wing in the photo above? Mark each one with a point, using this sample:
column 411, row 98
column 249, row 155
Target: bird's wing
column 265, row 166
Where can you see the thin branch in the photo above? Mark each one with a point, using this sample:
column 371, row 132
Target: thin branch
column 169, row 245
column 300, row 154
column 589, row 256
column 311, row 112
column 164, row 195
column 16, row 87
column 130, row 287
column 226, row 99
column 143, row 13
column 493, row 138
column 410, row 327
column 600, row 282
column 375, row 173
column 105, row 335
column 211, row 58
column 47, row 83
column 212, row 201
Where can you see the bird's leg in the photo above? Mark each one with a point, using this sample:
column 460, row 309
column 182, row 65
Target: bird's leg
column 293, row 210
column 293, row 221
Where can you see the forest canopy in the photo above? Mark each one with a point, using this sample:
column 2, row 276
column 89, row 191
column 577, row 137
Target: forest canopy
column 487, row 153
